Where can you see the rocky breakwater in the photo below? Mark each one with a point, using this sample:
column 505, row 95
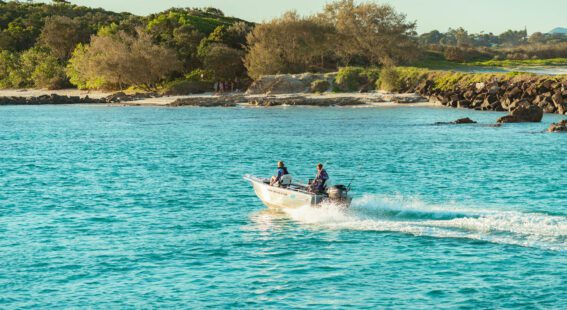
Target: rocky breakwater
column 501, row 94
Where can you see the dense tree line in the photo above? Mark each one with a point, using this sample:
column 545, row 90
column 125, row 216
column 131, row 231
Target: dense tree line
column 62, row 45
column 509, row 38
column 460, row 45
column 344, row 34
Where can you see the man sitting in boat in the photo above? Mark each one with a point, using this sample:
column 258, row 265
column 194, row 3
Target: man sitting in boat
column 318, row 185
column 282, row 177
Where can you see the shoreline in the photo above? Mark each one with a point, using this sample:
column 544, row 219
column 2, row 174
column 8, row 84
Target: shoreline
column 74, row 96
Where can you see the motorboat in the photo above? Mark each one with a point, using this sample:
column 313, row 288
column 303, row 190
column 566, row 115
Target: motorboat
column 295, row 195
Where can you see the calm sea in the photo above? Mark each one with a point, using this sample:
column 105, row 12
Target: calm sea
column 143, row 207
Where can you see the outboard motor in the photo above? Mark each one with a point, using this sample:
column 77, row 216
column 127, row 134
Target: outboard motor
column 337, row 192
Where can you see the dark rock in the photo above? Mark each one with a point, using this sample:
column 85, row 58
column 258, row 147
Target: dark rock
column 463, row 104
column 558, row 127
column 524, row 112
column 493, row 90
column 547, row 106
column 469, row 94
column 559, row 103
column 409, row 99
column 515, row 93
column 465, row 120
column 46, row 99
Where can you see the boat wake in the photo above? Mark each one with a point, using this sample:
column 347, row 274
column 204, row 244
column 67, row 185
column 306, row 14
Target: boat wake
column 411, row 216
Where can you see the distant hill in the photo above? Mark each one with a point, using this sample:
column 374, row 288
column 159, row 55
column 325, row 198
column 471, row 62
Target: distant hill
column 559, row 30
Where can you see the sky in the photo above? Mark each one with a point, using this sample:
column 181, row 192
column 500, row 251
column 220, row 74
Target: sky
column 494, row 16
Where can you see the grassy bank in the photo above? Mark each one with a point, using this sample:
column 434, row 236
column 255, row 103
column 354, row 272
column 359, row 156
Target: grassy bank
column 408, row 78
column 520, row 63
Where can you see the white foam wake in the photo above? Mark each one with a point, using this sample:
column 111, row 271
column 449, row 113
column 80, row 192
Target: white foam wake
column 396, row 214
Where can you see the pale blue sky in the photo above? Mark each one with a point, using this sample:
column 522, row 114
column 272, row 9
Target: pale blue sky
column 474, row 15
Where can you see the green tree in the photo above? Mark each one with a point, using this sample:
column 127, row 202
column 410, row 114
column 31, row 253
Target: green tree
column 290, row 44
column 121, row 60
column 371, row 31
column 224, row 61
column 61, row 35
column 432, row 37
column 9, row 64
column 513, row 38
column 41, row 70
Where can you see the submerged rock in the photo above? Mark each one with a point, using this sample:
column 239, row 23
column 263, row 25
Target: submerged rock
column 558, row 127
column 465, row 120
column 460, row 121
column 524, row 112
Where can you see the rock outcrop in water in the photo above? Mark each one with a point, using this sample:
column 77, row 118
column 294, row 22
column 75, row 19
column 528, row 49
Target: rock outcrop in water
column 523, row 112
column 460, row 121
column 558, row 127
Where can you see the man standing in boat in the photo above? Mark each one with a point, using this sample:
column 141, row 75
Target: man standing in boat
column 321, row 178
column 282, row 170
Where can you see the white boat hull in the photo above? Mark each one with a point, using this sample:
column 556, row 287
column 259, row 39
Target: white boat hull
column 282, row 198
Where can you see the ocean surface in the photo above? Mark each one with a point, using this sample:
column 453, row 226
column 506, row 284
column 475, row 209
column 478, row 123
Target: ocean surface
column 145, row 207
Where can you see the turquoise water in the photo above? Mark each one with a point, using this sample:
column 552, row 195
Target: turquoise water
column 132, row 207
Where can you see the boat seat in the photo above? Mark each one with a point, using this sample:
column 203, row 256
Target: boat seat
column 285, row 180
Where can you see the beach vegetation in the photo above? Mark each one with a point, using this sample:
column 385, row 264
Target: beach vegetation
column 356, row 78
column 320, row 86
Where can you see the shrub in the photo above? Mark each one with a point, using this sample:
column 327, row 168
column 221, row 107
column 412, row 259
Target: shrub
column 390, row 80
column 49, row 74
column 32, row 68
column 320, row 86
column 411, row 77
column 349, row 78
column 356, row 78
column 9, row 63
column 371, row 74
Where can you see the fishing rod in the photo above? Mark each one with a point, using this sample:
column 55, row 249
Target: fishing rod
column 350, row 183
